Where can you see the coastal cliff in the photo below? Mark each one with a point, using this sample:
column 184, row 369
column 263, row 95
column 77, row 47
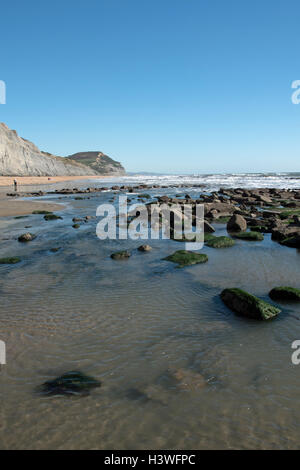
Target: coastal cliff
column 99, row 162
column 19, row 157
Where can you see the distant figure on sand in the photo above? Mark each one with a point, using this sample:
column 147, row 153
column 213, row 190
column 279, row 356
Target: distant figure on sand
column 15, row 185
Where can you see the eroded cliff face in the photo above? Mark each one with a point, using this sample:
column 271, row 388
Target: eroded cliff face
column 19, row 157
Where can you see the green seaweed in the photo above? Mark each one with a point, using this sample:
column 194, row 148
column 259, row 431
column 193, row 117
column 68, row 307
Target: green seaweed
column 70, row 383
column 186, row 258
column 10, row 260
column 52, row 217
column 285, row 293
column 124, row 254
column 248, row 305
column 220, row 242
column 250, row 236
column 42, row 212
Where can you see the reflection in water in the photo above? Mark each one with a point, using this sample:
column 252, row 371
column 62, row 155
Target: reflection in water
column 178, row 369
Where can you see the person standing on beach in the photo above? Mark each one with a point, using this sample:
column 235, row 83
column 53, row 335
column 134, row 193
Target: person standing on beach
column 15, row 185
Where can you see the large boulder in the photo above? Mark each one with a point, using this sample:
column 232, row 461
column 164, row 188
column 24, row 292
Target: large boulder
column 247, row 305
column 237, row 223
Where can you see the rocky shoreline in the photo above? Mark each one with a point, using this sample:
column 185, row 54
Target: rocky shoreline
column 246, row 211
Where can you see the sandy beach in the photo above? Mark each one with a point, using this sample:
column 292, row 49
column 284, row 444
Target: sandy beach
column 36, row 180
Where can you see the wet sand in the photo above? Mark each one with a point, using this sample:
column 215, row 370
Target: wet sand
column 178, row 369
column 10, row 207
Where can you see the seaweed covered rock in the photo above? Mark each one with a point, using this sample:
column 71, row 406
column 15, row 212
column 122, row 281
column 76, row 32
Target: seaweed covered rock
column 121, row 255
column 220, row 242
column 186, row 258
column 248, row 305
column 250, row 236
column 292, row 242
column 237, row 223
column 70, row 383
column 42, row 212
column 10, row 260
column 285, row 293
column 26, row 237
column 52, row 217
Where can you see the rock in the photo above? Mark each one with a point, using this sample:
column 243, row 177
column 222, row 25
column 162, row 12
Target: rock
column 52, row 217
column 121, row 255
column 237, row 223
column 247, row 305
column 145, row 248
column 293, row 242
column 71, row 383
column 283, row 232
column 186, row 258
column 77, row 219
column 220, row 242
column 250, row 236
column 26, row 237
column 208, row 228
column 42, row 212
column 76, row 225
column 285, row 293
column 10, row 260
column 55, row 249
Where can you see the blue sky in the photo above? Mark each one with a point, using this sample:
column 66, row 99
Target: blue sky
column 161, row 85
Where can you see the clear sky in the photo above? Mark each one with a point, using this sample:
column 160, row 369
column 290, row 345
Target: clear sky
column 161, row 85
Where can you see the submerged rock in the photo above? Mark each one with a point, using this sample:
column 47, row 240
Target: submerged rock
column 120, row 255
column 52, row 217
column 55, row 249
column 285, row 293
column 76, row 225
column 10, row 260
column 186, row 258
column 250, row 236
column 248, row 305
column 26, row 237
column 220, row 242
column 70, row 383
column 189, row 380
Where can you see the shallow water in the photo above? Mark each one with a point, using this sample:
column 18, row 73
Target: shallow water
column 134, row 324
